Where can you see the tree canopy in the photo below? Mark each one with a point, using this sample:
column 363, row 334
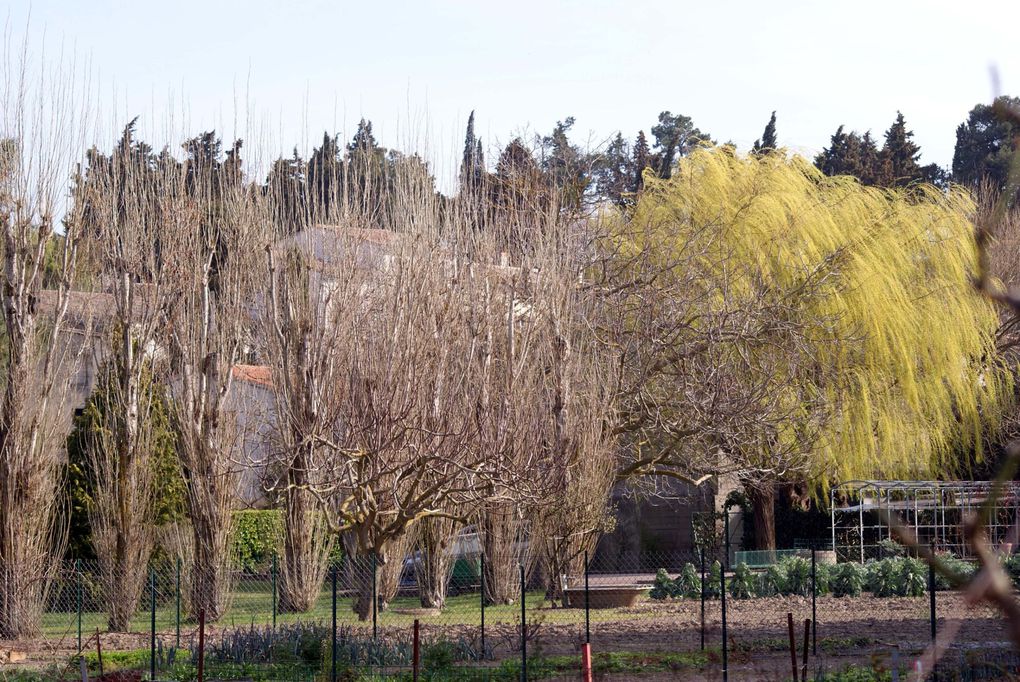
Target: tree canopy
column 872, row 328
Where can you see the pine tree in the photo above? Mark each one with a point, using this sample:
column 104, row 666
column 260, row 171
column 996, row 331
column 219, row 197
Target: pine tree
column 985, row 144
column 869, row 160
column 325, row 178
column 641, row 159
column 612, row 171
column 363, row 140
column 767, row 142
column 565, row 164
column 288, row 192
column 899, row 156
column 850, row 154
column 674, row 136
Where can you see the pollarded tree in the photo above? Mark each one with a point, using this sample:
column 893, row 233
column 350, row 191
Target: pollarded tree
column 213, row 244
column 122, row 218
column 780, row 325
column 41, row 136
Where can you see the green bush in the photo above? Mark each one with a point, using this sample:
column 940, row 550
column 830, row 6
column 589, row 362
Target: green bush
column 889, row 549
column 437, row 659
column 258, row 536
column 960, row 567
column 823, row 574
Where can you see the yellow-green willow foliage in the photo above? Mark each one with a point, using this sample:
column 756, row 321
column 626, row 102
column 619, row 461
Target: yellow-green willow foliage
column 897, row 344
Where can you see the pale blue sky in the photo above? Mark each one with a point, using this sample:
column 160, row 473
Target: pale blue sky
column 416, row 69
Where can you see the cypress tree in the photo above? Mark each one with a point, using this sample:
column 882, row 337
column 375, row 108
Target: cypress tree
column 767, row 142
column 641, row 159
column 472, row 164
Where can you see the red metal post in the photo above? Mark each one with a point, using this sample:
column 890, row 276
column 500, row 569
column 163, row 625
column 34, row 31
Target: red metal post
column 417, row 651
column 201, row 644
column 793, row 645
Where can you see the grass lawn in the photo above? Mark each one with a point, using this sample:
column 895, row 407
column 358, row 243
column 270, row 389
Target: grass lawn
column 252, row 602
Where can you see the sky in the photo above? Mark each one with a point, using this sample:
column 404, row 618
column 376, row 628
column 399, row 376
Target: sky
column 282, row 73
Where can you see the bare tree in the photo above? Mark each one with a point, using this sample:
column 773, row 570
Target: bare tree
column 433, row 563
column 306, row 333
column 40, row 130
column 213, row 245
column 122, row 200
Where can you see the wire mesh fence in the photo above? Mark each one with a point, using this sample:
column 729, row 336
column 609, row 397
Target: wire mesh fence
column 679, row 611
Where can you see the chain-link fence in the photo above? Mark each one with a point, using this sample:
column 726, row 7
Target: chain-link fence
column 693, row 614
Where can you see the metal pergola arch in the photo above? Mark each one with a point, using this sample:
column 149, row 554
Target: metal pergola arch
column 933, row 510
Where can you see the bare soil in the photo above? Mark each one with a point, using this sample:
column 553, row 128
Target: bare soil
column 860, row 630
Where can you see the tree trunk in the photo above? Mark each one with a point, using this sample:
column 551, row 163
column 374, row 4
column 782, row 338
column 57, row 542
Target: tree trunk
column 435, row 563
column 21, row 600
column 763, row 510
column 210, row 575
column 501, row 533
column 306, row 544
column 389, row 566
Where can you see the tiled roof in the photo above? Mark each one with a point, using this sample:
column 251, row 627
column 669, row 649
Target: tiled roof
column 259, row 375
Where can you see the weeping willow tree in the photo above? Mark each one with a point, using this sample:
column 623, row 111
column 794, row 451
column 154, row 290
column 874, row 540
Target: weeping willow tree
column 780, row 325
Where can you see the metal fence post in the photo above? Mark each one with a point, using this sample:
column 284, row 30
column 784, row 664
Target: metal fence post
column 78, row 584
column 524, row 630
column 725, row 645
column 177, row 598
column 726, row 525
column 275, row 573
column 814, row 595
column 332, row 661
column 931, row 594
column 587, row 603
column 481, row 599
column 201, row 645
column 375, row 598
column 702, row 552
column 152, row 626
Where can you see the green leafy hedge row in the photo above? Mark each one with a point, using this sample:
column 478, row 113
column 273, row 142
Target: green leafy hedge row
column 893, row 577
column 258, row 537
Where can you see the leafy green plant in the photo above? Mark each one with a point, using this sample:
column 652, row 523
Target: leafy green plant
column 714, row 579
column 743, row 583
column 688, row 583
column 437, row 658
column 913, row 579
column 889, row 548
column 798, row 576
column 883, row 577
column 1012, row 566
column 662, row 587
column 847, row 580
column 773, row 581
column 823, row 575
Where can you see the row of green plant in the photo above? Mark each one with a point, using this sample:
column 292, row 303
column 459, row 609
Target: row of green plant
column 897, row 576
